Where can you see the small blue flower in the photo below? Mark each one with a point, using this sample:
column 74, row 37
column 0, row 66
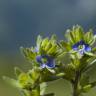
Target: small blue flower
column 81, row 47
column 46, row 61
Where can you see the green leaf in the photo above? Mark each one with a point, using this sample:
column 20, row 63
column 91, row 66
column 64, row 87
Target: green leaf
column 34, row 74
column 31, row 92
column 51, row 70
column 76, row 63
column 23, row 78
column 18, row 71
column 52, row 50
column 48, row 46
column 69, row 72
column 35, row 93
column 44, row 42
column 28, row 53
column 78, row 32
column 70, row 37
column 89, row 38
column 53, row 39
column 84, row 80
column 42, row 88
column 65, row 45
column 86, row 88
column 60, row 74
column 91, row 62
column 94, row 49
column 39, row 40
column 25, row 81
column 75, row 35
column 93, row 84
column 60, row 56
column 11, row 81
column 90, row 54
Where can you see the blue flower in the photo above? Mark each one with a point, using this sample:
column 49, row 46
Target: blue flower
column 45, row 61
column 81, row 47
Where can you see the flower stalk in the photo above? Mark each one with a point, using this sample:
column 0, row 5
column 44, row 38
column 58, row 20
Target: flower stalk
column 75, row 84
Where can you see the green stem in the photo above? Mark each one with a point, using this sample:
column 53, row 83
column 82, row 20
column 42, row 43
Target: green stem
column 75, row 84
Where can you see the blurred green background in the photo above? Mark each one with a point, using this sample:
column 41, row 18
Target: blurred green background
column 22, row 20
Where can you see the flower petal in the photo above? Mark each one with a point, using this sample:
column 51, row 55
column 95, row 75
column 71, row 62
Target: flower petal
column 39, row 59
column 75, row 47
column 43, row 65
column 36, row 49
column 50, row 64
column 87, row 48
column 81, row 51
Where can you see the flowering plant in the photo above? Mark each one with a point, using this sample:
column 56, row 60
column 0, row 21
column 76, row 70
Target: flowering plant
column 48, row 65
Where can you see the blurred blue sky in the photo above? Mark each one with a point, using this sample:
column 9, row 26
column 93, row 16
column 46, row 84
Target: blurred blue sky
column 22, row 20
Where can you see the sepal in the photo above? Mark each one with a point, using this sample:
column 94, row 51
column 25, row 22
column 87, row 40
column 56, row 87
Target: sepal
column 38, row 42
column 18, row 71
column 75, row 35
column 28, row 53
column 89, row 37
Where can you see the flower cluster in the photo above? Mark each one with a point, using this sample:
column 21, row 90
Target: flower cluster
column 48, row 63
column 44, row 54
